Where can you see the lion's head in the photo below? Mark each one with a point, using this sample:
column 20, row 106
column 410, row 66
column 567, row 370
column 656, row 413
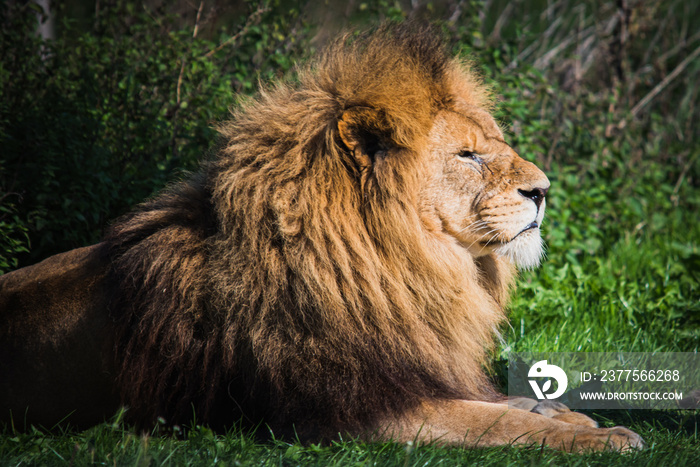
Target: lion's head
column 346, row 256
column 478, row 192
column 475, row 192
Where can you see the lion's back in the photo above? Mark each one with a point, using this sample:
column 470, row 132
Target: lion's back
column 54, row 319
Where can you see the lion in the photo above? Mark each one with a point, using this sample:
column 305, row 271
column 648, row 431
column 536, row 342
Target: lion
column 342, row 266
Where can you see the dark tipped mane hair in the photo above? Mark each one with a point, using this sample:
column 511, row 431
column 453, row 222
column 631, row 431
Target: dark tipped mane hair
column 285, row 285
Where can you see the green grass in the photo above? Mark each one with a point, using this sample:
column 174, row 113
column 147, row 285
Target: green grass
column 640, row 294
column 671, row 437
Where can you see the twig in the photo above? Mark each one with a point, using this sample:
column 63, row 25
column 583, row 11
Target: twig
column 542, row 37
column 502, row 18
column 485, row 6
column 196, row 21
column 588, row 50
column 251, row 20
column 179, row 80
column 96, row 24
column 545, row 60
column 619, row 43
column 660, row 87
column 579, row 47
column 184, row 60
column 678, row 47
column 548, row 13
column 659, row 31
column 456, row 13
column 684, row 172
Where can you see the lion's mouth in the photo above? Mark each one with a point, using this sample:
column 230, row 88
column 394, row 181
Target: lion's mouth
column 497, row 241
column 533, row 225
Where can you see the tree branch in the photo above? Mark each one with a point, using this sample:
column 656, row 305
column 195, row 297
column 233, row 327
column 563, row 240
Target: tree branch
column 252, row 19
column 660, row 87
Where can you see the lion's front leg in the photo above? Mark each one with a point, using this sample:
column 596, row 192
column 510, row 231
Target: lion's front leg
column 474, row 423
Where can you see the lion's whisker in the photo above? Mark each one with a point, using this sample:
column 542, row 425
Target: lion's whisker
column 481, row 237
column 477, row 224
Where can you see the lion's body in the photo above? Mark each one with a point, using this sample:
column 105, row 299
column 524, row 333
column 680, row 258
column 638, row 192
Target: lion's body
column 342, row 266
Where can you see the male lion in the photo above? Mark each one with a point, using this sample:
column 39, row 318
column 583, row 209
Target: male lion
column 341, row 267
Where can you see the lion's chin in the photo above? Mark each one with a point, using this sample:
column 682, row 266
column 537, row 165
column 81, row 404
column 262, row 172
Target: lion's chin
column 525, row 250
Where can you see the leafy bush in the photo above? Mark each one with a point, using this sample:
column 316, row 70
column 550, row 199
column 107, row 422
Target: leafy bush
column 95, row 121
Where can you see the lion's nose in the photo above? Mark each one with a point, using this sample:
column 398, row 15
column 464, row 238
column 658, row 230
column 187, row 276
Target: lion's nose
column 535, row 194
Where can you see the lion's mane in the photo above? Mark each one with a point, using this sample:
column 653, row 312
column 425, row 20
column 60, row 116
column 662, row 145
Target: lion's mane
column 286, row 285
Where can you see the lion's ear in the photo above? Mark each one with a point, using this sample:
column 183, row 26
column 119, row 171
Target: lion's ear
column 365, row 133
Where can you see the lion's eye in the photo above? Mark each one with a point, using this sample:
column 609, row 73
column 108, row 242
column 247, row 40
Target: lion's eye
column 472, row 156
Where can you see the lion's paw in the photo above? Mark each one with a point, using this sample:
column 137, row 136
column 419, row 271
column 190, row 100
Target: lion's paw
column 617, row 438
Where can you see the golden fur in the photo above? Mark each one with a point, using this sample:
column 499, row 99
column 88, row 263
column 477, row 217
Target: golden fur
column 341, row 266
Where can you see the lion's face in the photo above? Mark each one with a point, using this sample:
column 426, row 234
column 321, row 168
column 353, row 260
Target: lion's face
column 479, row 192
